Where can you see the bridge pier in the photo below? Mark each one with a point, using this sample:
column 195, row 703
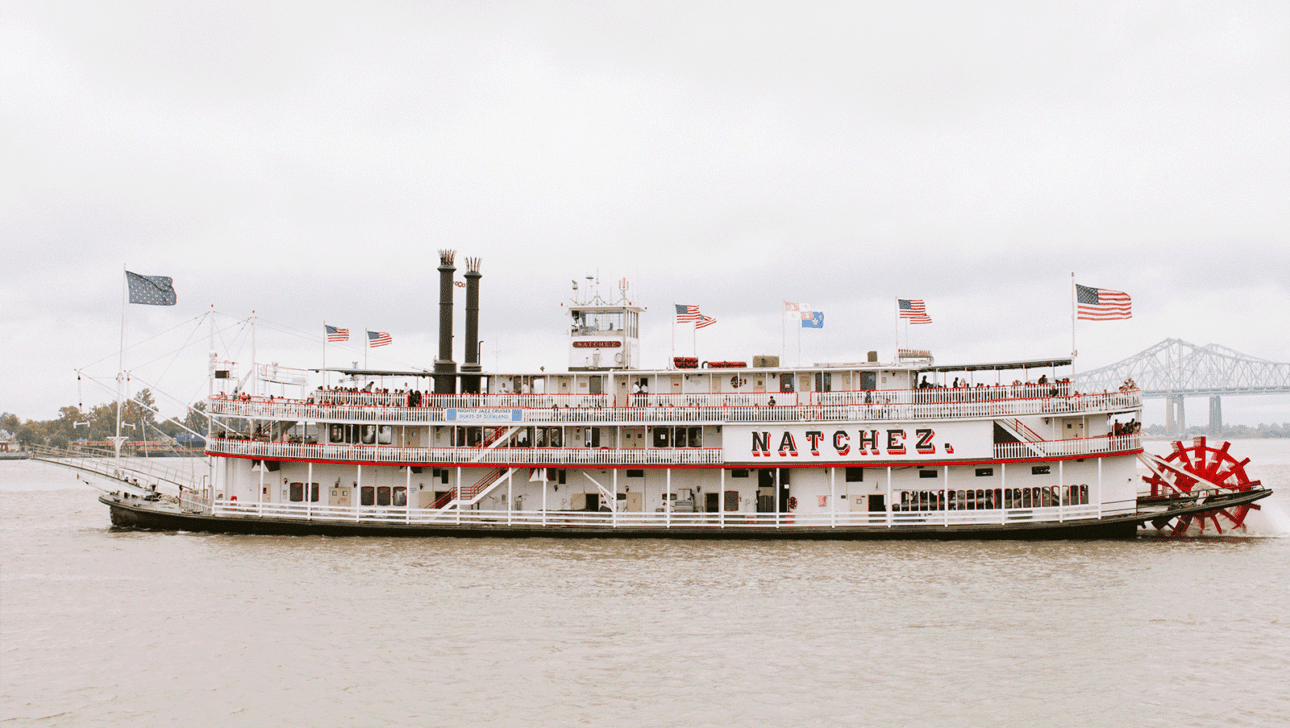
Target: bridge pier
column 1175, row 415
column 1215, row 415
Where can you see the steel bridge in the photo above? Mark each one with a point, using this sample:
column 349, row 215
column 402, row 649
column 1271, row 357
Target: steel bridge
column 1175, row 369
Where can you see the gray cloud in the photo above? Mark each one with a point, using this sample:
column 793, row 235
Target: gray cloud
column 306, row 162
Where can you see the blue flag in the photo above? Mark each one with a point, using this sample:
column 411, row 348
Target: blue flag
column 151, row 290
column 816, row 321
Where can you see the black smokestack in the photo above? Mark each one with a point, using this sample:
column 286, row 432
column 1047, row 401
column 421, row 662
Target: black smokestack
column 445, row 369
column 471, row 383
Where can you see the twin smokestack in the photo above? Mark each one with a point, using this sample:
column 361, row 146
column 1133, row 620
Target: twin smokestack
column 445, row 369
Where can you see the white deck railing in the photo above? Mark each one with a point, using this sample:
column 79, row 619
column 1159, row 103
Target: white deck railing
column 1066, row 448
column 396, row 455
column 700, row 408
column 464, row 455
column 714, row 520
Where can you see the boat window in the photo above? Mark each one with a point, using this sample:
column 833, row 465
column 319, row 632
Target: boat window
column 297, row 492
column 369, row 434
column 739, row 473
column 678, row 437
column 383, row 495
column 1039, row 470
column 367, row 496
column 696, row 437
column 984, row 472
column 313, row 493
column 662, row 436
column 927, row 473
column 593, row 437
column 400, row 496
column 636, row 473
column 855, row 475
column 385, row 435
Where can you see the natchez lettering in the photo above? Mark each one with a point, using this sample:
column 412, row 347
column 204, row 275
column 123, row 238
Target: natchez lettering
column 866, row 443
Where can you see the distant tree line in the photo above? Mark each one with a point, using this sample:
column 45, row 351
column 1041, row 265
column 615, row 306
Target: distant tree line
column 1228, row 431
column 138, row 423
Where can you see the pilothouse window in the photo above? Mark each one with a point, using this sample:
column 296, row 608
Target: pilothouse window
column 598, row 322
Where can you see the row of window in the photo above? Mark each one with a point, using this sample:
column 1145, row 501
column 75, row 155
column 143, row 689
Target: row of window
column 369, row 495
column 991, row 498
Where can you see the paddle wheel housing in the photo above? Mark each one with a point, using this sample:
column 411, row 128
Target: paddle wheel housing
column 1191, row 470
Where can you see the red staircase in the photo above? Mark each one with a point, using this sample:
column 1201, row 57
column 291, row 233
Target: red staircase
column 489, row 478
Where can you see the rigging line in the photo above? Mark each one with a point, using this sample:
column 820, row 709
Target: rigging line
column 180, row 349
column 150, row 338
column 312, row 338
column 176, row 352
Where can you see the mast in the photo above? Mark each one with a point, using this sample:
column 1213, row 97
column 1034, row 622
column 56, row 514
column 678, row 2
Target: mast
column 120, row 372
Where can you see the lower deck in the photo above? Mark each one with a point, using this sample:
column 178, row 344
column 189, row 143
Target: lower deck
column 892, row 496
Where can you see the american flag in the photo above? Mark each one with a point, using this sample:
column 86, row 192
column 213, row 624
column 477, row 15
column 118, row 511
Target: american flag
column 705, row 321
column 1102, row 304
column 914, row 310
column 378, row 338
column 336, row 334
column 687, row 314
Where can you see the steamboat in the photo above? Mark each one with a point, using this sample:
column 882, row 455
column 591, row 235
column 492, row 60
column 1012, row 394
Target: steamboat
column 863, row 450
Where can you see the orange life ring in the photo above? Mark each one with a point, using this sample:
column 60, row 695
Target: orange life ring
column 792, row 503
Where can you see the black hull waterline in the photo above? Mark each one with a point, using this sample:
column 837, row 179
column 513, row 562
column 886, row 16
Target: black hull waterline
column 142, row 515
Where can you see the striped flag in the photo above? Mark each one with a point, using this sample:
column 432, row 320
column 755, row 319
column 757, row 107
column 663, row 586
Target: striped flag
column 378, row 338
column 1102, row 304
column 336, row 334
column 687, row 314
column 914, row 310
column 705, row 321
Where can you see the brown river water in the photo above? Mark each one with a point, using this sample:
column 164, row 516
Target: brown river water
column 104, row 628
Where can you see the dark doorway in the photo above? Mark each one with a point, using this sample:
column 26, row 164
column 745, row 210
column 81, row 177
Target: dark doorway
column 732, row 500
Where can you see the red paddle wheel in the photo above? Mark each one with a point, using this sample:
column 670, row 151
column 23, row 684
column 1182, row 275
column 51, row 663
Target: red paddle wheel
column 1209, row 465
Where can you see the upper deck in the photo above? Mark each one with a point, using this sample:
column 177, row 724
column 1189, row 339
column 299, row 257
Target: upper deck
column 692, row 407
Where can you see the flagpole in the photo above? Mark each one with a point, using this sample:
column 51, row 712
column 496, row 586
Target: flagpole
column 895, row 357
column 324, row 367
column 120, row 373
column 1074, row 351
column 783, row 334
column 673, row 359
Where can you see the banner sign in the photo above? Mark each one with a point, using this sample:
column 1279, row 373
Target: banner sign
column 855, row 444
column 477, row 415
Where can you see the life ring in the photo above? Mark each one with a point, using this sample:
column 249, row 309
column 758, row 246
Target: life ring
column 734, row 382
column 792, row 503
column 618, row 357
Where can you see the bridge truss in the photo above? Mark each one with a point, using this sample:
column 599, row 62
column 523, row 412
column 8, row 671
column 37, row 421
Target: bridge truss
column 1175, row 369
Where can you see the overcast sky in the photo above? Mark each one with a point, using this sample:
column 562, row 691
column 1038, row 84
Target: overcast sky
column 306, row 162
